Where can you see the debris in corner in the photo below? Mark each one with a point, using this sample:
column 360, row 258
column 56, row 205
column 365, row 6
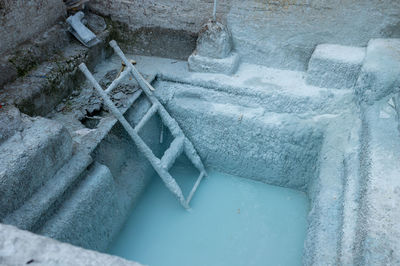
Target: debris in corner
column 74, row 6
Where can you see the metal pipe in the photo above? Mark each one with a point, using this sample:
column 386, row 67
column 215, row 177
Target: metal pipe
column 215, row 11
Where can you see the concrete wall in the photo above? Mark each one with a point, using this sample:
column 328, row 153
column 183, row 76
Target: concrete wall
column 275, row 148
column 22, row 247
column 277, row 33
column 20, row 20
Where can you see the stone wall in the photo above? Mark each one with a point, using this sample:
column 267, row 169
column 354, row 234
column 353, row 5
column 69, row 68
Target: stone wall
column 20, row 20
column 276, row 33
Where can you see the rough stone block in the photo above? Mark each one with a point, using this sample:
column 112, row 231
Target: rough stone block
column 30, row 158
column 214, row 40
column 335, row 66
column 228, row 65
column 380, row 73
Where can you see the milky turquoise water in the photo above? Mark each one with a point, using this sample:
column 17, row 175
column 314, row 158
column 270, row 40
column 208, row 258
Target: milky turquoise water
column 233, row 221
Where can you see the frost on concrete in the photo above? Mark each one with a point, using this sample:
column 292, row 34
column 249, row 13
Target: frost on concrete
column 228, row 65
column 335, row 66
column 273, row 33
column 378, row 221
column 18, row 247
column 380, row 74
column 246, row 141
column 93, row 204
column 21, row 20
column 29, row 158
column 10, row 122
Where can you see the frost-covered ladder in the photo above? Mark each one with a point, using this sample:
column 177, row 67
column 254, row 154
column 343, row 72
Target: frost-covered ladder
column 180, row 143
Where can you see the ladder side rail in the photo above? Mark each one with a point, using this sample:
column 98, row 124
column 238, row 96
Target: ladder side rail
column 146, row 87
column 173, row 152
column 149, row 114
column 116, row 81
column 191, row 194
column 165, row 116
column 169, row 181
column 143, row 83
column 193, row 156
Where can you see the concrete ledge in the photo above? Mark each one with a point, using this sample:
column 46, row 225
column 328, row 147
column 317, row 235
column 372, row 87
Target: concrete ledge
column 28, row 159
column 380, row 74
column 39, row 208
column 335, row 66
column 228, row 65
column 18, row 247
column 20, row 20
column 378, row 220
column 10, row 122
column 323, row 241
column 86, row 218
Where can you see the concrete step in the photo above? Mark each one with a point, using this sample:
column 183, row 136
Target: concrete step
column 86, row 218
column 43, row 203
column 379, row 215
column 43, row 81
column 335, row 66
column 380, row 73
column 29, row 159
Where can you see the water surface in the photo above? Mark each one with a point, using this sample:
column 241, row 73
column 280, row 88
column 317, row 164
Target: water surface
column 233, row 221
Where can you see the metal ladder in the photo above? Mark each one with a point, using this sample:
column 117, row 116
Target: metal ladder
column 180, row 143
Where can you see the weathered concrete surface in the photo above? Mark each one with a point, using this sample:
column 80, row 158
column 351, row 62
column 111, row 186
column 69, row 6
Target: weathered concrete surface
column 46, row 46
column 274, row 148
column 259, row 119
column 38, row 91
column 380, row 73
column 274, row 33
column 10, row 122
column 8, row 72
column 29, row 158
column 64, row 207
column 18, row 247
column 227, row 65
column 283, row 34
column 335, row 66
column 378, row 220
column 45, row 202
column 326, row 191
column 155, row 41
column 42, row 47
column 86, row 218
column 178, row 14
column 275, row 90
column 21, row 20
column 23, row 58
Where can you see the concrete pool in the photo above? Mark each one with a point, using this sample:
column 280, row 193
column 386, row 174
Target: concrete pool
column 296, row 124
column 233, row 221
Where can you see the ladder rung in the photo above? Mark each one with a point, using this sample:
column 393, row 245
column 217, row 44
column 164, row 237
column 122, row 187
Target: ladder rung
column 173, row 152
column 118, row 80
column 146, row 117
column 189, row 198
